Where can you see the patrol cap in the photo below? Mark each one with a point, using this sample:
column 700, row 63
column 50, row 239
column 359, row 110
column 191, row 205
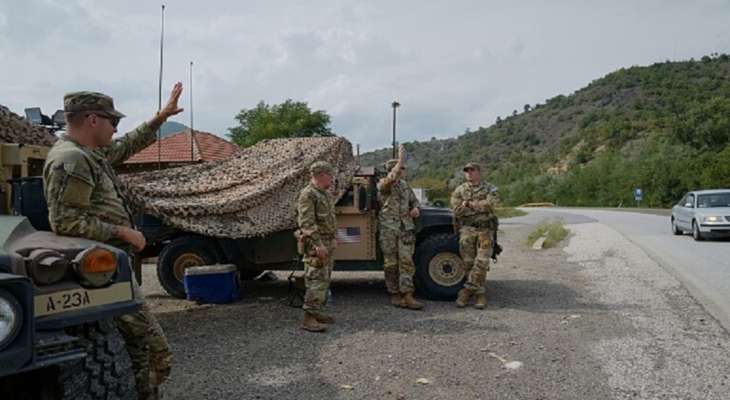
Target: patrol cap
column 390, row 164
column 319, row 167
column 472, row 165
column 90, row 101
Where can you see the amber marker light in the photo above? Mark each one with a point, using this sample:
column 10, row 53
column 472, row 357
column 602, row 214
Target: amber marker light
column 96, row 266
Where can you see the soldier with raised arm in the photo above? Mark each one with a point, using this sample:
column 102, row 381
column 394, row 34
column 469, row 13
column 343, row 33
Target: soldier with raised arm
column 316, row 234
column 473, row 203
column 398, row 208
column 85, row 200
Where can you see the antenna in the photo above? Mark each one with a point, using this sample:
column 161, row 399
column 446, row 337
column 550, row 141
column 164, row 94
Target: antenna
column 159, row 87
column 192, row 130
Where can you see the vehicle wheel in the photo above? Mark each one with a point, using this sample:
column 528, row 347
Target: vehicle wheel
column 105, row 372
column 439, row 268
column 675, row 228
column 696, row 234
column 179, row 254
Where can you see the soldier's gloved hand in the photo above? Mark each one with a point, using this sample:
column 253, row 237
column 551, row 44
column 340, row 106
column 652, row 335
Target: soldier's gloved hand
column 131, row 236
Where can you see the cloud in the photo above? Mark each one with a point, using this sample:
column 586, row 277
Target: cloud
column 452, row 65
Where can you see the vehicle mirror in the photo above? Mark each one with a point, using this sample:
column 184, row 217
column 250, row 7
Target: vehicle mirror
column 688, row 205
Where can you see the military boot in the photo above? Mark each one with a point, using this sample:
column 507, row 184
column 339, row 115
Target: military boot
column 481, row 302
column 463, row 298
column 410, row 303
column 395, row 299
column 324, row 319
column 311, row 324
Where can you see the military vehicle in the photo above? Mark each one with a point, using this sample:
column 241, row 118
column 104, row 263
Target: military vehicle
column 439, row 269
column 58, row 296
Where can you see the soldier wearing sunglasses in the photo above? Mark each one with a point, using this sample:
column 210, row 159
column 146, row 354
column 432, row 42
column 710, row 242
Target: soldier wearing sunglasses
column 85, row 200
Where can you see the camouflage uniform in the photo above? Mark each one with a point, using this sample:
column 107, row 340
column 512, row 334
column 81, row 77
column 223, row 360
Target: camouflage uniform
column 476, row 223
column 397, row 231
column 317, row 224
column 85, row 200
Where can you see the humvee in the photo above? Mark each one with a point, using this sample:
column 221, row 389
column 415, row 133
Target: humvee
column 439, row 269
column 58, row 298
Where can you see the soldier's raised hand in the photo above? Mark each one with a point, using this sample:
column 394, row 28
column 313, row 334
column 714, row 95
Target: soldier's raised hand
column 171, row 107
column 401, row 154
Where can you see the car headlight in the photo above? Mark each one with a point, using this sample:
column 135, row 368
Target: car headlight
column 95, row 266
column 712, row 218
column 11, row 318
column 47, row 266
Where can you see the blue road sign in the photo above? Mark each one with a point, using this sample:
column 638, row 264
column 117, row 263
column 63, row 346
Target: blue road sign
column 638, row 194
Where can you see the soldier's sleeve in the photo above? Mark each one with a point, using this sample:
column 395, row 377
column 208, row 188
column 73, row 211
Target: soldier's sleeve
column 307, row 219
column 386, row 183
column 456, row 198
column 129, row 144
column 69, row 184
column 412, row 199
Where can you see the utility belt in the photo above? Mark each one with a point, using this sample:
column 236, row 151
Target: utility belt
column 301, row 235
column 480, row 223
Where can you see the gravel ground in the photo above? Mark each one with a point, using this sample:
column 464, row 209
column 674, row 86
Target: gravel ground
column 598, row 320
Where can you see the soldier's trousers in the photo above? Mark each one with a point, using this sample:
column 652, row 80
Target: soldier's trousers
column 147, row 347
column 475, row 245
column 317, row 277
column 398, row 247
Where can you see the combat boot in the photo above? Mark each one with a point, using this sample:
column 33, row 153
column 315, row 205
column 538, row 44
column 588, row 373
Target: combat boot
column 481, row 302
column 395, row 299
column 324, row 319
column 311, row 324
column 409, row 302
column 463, row 298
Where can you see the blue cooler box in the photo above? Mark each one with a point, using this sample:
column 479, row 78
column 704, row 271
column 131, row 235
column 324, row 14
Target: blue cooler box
column 212, row 283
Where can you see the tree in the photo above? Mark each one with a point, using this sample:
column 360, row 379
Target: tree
column 285, row 120
column 526, row 107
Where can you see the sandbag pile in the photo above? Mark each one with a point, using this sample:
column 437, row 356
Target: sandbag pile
column 251, row 194
column 16, row 129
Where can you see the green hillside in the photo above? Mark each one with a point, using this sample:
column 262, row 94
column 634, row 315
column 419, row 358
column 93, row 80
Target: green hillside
column 664, row 128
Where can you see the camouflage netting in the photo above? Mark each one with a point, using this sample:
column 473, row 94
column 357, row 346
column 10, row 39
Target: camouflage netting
column 16, row 129
column 251, row 194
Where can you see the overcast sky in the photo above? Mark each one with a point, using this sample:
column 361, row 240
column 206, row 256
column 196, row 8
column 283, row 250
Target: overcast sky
column 451, row 64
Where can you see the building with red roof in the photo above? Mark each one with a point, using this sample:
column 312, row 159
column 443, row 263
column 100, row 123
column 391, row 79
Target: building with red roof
column 175, row 151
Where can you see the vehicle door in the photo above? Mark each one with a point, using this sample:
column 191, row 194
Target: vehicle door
column 356, row 224
column 682, row 212
column 688, row 211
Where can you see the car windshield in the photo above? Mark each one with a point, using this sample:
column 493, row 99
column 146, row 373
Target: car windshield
column 713, row 200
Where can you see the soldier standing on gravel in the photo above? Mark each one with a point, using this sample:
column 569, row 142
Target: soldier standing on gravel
column 473, row 203
column 85, row 200
column 399, row 207
column 316, row 234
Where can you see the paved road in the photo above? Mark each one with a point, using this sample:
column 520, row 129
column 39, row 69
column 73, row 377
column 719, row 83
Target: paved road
column 704, row 267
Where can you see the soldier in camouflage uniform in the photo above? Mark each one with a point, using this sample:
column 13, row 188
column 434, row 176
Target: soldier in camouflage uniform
column 85, row 200
column 398, row 208
column 473, row 203
column 316, row 234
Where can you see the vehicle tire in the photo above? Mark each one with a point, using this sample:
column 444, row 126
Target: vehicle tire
column 675, row 228
column 105, row 372
column 439, row 268
column 181, row 253
column 696, row 234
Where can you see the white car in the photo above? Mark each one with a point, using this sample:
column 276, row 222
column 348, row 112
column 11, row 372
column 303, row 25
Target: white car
column 705, row 213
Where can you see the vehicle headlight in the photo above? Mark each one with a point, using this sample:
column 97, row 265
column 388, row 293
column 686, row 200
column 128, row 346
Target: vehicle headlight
column 712, row 218
column 95, row 266
column 47, row 266
column 11, row 318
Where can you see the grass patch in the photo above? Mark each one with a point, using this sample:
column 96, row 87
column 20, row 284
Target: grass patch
column 509, row 212
column 554, row 232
